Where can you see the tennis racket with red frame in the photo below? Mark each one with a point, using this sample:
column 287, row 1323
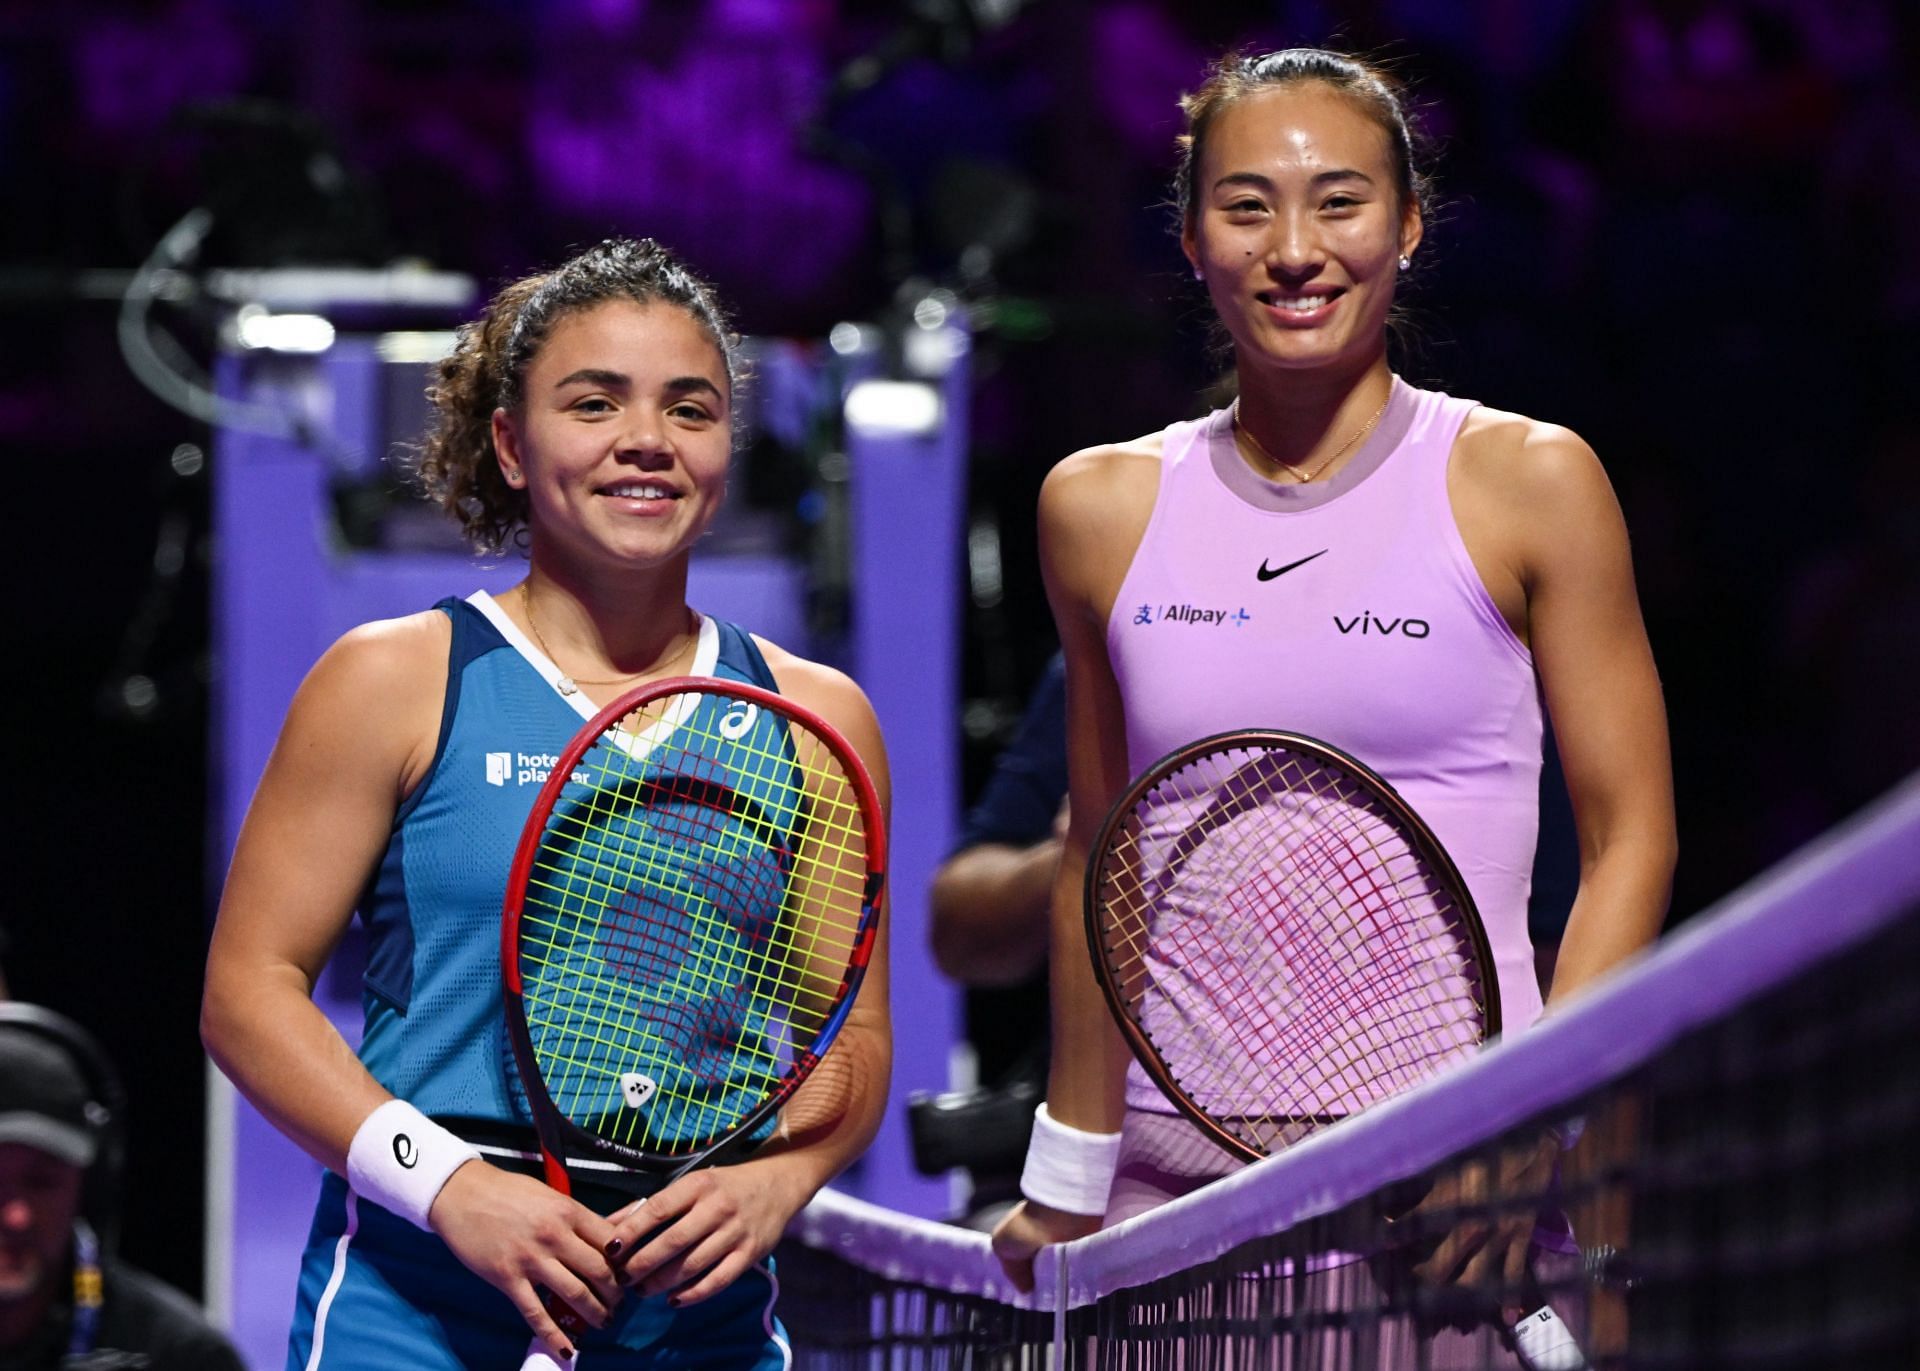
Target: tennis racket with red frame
column 1284, row 943
column 689, row 914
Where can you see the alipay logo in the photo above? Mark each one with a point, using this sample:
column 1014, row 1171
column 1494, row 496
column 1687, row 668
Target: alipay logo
column 499, row 768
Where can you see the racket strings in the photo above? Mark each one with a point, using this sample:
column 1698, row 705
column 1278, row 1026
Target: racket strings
column 687, row 1030
column 1289, row 956
column 693, row 908
column 630, row 868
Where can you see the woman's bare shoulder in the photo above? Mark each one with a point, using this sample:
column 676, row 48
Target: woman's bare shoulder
column 827, row 691
column 1107, row 488
column 1132, row 461
column 801, row 677
column 1522, row 453
column 382, row 684
column 1537, row 489
column 390, row 654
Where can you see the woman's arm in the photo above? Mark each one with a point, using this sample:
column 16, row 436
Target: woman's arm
column 725, row 1218
column 1546, row 534
column 992, row 899
column 991, row 906
column 318, row 822
column 359, row 734
column 1093, row 510
column 1603, row 696
column 1551, row 530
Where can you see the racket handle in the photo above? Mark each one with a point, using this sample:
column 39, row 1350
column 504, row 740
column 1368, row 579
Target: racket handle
column 539, row 1359
column 1546, row 1344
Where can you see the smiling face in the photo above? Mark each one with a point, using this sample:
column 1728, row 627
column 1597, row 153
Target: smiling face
column 621, row 436
column 1298, row 226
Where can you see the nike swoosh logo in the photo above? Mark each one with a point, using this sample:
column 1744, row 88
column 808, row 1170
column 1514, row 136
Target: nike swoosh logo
column 1266, row 573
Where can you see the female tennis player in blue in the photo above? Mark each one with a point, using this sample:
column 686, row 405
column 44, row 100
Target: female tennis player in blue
column 1403, row 574
column 590, row 407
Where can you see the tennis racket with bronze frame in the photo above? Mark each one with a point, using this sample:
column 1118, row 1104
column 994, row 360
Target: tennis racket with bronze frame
column 1281, row 938
column 1284, row 943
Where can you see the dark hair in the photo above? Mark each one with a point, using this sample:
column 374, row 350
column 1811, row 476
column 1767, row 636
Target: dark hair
column 1379, row 96
column 489, row 362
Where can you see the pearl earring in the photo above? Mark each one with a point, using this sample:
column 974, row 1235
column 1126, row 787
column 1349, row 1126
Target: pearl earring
column 1199, row 275
column 1406, row 262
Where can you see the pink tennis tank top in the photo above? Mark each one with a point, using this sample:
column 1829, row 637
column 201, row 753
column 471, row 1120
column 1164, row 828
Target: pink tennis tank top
column 1349, row 611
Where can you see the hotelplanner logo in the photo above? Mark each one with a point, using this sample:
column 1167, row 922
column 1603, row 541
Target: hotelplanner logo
column 527, row 768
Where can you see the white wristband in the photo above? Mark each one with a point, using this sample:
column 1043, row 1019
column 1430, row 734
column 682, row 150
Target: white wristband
column 1068, row 1168
column 1545, row 1344
column 400, row 1158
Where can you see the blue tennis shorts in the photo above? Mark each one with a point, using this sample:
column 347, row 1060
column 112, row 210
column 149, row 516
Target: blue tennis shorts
column 377, row 1293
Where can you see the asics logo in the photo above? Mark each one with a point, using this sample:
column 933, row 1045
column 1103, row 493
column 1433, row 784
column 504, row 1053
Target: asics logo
column 404, row 1151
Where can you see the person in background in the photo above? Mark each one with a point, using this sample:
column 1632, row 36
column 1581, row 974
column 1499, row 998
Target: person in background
column 991, row 895
column 989, row 933
column 66, row 1299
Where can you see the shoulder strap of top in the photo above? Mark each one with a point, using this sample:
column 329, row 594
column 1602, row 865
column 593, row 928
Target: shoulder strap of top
column 737, row 646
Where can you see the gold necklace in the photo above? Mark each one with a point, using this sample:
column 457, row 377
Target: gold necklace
column 1288, row 467
column 569, row 685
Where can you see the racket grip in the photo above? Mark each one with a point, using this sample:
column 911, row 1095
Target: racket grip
column 1546, row 1344
column 539, row 1359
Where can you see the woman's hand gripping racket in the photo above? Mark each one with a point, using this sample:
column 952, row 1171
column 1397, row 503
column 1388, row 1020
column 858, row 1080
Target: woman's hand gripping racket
column 1284, row 943
column 690, row 911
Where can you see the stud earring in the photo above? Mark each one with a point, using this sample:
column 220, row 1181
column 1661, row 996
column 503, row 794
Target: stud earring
column 513, row 476
column 1199, row 275
column 1406, row 262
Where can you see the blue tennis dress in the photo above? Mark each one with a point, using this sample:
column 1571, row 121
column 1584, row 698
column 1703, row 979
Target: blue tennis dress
column 375, row 1292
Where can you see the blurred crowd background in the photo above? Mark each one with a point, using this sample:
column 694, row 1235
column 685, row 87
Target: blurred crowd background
column 1689, row 229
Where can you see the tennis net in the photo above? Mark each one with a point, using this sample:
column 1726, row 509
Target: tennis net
column 1744, row 1192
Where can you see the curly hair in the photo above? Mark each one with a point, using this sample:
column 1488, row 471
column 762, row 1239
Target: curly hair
column 488, row 365
column 1377, row 93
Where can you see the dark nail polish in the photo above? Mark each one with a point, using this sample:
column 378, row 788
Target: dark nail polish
column 613, row 1247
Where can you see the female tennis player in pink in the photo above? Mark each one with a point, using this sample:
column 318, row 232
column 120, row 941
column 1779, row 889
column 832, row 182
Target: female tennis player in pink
column 591, row 409
column 1407, row 576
